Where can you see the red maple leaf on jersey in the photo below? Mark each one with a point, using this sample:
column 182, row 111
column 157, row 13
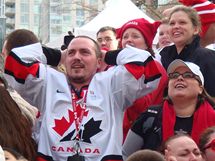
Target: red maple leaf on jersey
column 62, row 125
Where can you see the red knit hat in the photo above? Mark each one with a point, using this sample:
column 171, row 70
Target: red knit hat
column 205, row 10
column 148, row 29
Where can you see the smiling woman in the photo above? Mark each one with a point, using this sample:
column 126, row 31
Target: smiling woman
column 184, row 29
column 187, row 109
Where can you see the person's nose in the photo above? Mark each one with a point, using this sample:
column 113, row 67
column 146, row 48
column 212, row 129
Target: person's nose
column 180, row 77
column 193, row 157
column 166, row 36
column 176, row 25
column 128, row 40
column 77, row 56
column 103, row 42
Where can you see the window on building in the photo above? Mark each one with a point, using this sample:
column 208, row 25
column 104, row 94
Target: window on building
column 67, row 1
column 36, row 19
column 36, row 29
column 80, row 13
column 24, row 1
column 24, row 26
column 66, row 9
column 53, row 9
column 67, row 18
column 55, row 0
column 36, row 9
column 93, row 2
column 37, row 2
column 56, row 30
column 24, row 7
column 55, row 21
column 79, row 17
column 24, row 19
column 79, row 23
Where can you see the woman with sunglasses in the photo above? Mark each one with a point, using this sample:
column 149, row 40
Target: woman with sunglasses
column 207, row 144
column 187, row 109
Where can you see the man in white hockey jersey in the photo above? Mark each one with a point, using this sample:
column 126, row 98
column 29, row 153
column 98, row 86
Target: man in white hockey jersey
column 82, row 111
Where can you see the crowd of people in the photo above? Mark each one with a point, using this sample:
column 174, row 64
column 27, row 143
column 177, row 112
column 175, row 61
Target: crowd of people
column 119, row 97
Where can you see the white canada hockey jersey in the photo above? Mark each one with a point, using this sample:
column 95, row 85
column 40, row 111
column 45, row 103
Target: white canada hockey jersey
column 109, row 93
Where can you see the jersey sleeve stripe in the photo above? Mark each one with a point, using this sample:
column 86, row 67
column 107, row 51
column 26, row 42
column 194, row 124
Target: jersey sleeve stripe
column 19, row 69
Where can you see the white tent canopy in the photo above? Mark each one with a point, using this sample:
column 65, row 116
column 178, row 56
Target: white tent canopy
column 115, row 14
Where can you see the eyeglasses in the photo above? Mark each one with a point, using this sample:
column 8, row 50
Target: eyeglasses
column 188, row 75
column 210, row 145
column 106, row 39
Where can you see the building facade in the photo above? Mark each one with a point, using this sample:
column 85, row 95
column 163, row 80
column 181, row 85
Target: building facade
column 49, row 18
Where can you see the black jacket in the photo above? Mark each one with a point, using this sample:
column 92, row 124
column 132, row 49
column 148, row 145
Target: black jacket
column 203, row 57
column 149, row 126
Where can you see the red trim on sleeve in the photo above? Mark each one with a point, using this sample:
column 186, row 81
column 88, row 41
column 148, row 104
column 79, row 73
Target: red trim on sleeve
column 149, row 70
column 20, row 71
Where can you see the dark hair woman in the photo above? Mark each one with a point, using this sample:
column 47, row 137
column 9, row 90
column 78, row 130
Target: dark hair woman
column 15, row 131
column 187, row 109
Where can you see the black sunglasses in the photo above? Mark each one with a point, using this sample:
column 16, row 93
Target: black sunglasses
column 188, row 75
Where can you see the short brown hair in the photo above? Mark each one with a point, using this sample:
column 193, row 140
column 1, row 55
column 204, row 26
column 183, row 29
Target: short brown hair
column 106, row 28
column 146, row 155
column 20, row 37
column 166, row 143
column 97, row 48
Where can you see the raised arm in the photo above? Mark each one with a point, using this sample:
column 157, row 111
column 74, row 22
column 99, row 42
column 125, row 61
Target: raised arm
column 136, row 74
column 22, row 71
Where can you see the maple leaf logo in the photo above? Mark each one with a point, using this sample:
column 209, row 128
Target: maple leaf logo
column 62, row 125
column 90, row 129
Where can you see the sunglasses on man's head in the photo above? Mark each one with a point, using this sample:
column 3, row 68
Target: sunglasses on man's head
column 210, row 145
column 175, row 75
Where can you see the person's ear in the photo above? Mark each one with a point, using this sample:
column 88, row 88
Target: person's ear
column 196, row 30
column 201, row 89
column 167, row 153
column 168, row 156
column 99, row 62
